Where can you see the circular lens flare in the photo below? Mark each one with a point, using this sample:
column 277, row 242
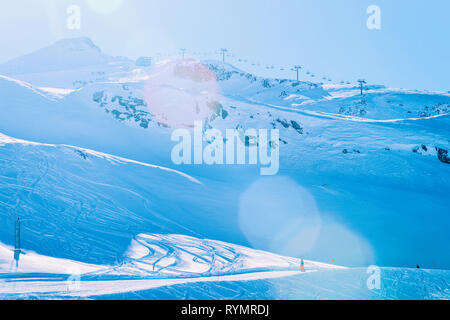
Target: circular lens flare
column 278, row 215
column 180, row 92
column 341, row 245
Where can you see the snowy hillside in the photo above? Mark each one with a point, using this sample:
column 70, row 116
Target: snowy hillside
column 85, row 205
column 65, row 54
column 68, row 63
column 85, row 154
column 180, row 267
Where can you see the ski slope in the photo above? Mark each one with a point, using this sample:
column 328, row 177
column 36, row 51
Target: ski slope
column 180, row 267
column 86, row 165
column 151, row 261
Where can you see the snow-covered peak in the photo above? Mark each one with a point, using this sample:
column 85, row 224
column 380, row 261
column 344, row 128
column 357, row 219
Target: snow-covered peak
column 76, row 44
column 64, row 54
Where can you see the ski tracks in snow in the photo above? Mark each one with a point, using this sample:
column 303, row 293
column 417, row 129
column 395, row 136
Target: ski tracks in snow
column 154, row 261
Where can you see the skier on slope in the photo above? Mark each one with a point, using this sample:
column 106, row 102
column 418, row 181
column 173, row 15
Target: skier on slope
column 302, row 266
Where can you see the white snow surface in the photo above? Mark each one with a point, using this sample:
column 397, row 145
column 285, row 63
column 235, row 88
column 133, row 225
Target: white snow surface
column 87, row 167
column 151, row 261
column 159, row 262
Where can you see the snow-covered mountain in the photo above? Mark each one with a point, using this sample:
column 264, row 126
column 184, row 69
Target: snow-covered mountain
column 66, row 54
column 86, row 164
column 68, row 63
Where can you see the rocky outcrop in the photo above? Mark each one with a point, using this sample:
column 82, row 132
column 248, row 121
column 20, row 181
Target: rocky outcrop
column 348, row 151
column 443, row 155
column 288, row 124
column 438, row 109
column 122, row 108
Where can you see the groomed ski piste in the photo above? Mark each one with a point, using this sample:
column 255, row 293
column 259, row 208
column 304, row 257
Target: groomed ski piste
column 181, row 267
column 153, row 261
column 105, row 214
column 158, row 266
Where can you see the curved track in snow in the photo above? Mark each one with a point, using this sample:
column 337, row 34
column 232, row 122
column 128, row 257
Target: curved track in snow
column 152, row 261
column 187, row 267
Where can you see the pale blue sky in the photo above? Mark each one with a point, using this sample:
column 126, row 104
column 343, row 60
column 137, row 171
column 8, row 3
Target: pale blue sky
column 327, row 37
